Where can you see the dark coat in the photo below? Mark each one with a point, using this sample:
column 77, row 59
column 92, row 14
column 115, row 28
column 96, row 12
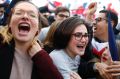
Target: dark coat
column 43, row 67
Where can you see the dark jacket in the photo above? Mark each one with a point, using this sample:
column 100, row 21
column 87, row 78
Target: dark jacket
column 43, row 67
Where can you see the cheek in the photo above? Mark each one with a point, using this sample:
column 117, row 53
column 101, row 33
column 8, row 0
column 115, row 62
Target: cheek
column 35, row 22
column 87, row 40
column 13, row 22
column 35, row 25
column 72, row 43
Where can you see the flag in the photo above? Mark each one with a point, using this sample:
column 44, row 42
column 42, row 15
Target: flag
column 111, row 40
column 53, row 4
column 56, row 3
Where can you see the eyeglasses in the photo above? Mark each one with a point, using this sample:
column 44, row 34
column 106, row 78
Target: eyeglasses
column 99, row 19
column 20, row 13
column 62, row 15
column 79, row 35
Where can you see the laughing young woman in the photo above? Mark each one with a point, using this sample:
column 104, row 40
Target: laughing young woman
column 70, row 40
column 21, row 56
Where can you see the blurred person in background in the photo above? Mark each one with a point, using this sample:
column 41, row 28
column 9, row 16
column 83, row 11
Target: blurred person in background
column 61, row 13
column 2, row 12
column 48, row 42
column 45, row 11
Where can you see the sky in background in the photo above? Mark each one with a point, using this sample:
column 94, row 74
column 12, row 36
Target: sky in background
column 74, row 4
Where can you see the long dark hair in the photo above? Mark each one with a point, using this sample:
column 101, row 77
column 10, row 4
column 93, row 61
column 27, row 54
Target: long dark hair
column 64, row 31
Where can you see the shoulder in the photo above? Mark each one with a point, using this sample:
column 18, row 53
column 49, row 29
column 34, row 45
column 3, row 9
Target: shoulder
column 45, row 29
column 57, row 53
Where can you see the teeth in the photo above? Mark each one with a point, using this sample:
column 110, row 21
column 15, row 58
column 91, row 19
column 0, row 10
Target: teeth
column 80, row 46
column 24, row 24
column 24, row 27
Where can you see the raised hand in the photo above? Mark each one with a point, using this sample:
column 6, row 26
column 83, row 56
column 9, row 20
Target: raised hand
column 92, row 8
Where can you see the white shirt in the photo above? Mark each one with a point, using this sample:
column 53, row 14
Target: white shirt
column 98, row 45
column 64, row 62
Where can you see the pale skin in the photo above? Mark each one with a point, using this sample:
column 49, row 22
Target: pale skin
column 114, row 68
column 74, row 75
column 77, row 51
column 109, row 71
column 91, row 11
column 26, row 41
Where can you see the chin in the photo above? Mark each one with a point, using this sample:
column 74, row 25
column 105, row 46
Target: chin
column 81, row 53
column 22, row 40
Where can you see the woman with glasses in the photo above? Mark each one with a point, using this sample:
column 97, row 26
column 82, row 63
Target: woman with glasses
column 70, row 40
column 21, row 55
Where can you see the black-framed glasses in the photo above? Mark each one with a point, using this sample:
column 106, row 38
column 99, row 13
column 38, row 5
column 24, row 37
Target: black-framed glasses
column 62, row 15
column 100, row 19
column 78, row 35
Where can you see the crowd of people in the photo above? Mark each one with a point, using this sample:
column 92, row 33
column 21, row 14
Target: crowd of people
column 36, row 45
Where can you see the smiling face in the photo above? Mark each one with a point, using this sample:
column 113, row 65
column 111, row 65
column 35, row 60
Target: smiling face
column 78, row 41
column 24, row 22
column 101, row 25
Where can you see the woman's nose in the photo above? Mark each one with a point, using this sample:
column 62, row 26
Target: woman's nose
column 25, row 16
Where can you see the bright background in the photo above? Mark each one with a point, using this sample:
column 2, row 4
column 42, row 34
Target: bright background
column 77, row 4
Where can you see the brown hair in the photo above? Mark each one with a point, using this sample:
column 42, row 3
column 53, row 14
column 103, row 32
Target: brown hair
column 61, row 9
column 49, row 38
column 64, row 31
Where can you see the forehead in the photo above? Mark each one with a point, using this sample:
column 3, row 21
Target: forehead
column 81, row 28
column 102, row 15
column 26, row 6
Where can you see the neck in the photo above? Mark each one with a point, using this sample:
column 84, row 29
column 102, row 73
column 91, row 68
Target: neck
column 22, row 46
column 70, row 53
column 103, row 37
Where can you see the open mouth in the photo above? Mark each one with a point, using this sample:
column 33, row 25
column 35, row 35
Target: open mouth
column 94, row 29
column 81, row 46
column 24, row 27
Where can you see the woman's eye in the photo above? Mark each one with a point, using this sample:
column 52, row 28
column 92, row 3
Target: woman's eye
column 18, row 13
column 32, row 15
